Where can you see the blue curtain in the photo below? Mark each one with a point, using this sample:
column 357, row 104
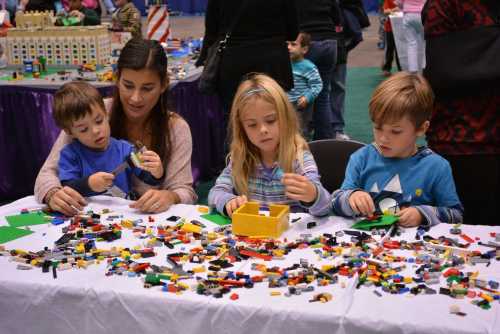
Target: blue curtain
column 188, row 6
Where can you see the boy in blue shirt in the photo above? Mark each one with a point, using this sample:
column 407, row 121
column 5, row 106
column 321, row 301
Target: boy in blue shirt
column 90, row 163
column 393, row 174
column 307, row 82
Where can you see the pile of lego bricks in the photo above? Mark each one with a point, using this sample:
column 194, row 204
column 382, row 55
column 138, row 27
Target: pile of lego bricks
column 434, row 265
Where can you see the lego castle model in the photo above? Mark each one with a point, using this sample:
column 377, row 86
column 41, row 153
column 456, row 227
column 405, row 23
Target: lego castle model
column 36, row 36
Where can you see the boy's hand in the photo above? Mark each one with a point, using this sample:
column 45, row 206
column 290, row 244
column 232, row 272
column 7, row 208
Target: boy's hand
column 151, row 162
column 299, row 188
column 302, row 102
column 234, row 204
column 101, row 181
column 409, row 217
column 362, row 203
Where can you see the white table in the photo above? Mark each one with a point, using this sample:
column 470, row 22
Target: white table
column 86, row 301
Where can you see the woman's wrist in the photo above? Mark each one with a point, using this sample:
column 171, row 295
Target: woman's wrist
column 50, row 194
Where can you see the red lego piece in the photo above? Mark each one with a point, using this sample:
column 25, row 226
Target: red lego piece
column 234, row 296
column 493, row 234
column 256, row 254
column 392, row 244
column 451, row 272
column 467, row 238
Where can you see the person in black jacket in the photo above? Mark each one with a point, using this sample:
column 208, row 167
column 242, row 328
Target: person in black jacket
column 322, row 20
column 257, row 44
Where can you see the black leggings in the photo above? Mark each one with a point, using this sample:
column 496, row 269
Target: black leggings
column 477, row 178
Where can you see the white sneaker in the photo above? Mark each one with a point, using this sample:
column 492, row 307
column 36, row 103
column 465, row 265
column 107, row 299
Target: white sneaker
column 342, row 136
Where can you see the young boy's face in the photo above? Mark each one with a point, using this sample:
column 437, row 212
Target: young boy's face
column 74, row 4
column 92, row 130
column 296, row 50
column 398, row 140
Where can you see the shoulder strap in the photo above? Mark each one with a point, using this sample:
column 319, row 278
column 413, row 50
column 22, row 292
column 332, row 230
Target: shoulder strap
column 236, row 18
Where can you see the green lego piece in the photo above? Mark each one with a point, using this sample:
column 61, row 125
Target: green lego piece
column 383, row 221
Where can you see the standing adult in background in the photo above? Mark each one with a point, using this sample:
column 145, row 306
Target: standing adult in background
column 414, row 33
column 463, row 67
column 354, row 19
column 322, row 20
column 257, row 43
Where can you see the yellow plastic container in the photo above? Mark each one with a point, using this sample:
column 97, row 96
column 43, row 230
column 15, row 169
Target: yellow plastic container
column 248, row 222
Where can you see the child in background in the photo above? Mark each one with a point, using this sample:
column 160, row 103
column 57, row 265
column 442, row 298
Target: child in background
column 87, row 163
column 390, row 7
column 393, row 174
column 307, row 82
column 269, row 159
column 85, row 16
column 127, row 18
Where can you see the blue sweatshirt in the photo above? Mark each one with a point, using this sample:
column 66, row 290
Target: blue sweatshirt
column 423, row 181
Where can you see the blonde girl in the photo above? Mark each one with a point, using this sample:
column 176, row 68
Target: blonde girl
column 269, row 161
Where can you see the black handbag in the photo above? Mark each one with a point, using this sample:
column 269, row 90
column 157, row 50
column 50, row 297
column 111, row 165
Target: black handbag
column 210, row 74
column 464, row 62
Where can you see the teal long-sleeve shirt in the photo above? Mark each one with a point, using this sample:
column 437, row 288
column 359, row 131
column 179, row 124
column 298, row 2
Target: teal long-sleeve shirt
column 306, row 81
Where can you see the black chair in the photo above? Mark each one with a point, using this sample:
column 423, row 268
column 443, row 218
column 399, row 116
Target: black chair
column 331, row 157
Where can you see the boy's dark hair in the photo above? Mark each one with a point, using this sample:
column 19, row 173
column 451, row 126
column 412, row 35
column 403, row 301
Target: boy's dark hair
column 305, row 39
column 403, row 94
column 73, row 101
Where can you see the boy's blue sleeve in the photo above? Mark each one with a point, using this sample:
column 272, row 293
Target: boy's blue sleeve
column 340, row 197
column 69, row 167
column 223, row 190
column 315, row 85
column 447, row 207
column 71, row 174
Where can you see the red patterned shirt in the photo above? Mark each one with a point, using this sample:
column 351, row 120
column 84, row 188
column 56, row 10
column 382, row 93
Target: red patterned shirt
column 464, row 124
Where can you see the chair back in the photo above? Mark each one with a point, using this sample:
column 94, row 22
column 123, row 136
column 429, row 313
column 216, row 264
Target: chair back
column 332, row 156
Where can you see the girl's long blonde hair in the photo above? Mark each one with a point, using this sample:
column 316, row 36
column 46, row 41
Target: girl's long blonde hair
column 244, row 155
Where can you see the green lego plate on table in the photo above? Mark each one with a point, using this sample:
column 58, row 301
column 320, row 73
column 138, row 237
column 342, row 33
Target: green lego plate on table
column 9, row 233
column 383, row 221
column 26, row 219
column 217, row 219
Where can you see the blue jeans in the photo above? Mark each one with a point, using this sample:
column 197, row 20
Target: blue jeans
column 324, row 55
column 337, row 97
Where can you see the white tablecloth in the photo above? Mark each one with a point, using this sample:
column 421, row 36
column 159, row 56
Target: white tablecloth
column 86, row 301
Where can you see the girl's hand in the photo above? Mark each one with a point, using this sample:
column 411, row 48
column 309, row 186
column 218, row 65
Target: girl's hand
column 362, row 203
column 151, row 162
column 409, row 217
column 155, row 201
column 234, row 204
column 66, row 200
column 101, row 181
column 299, row 188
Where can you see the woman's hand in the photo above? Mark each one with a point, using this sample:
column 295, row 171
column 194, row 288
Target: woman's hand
column 362, row 203
column 409, row 217
column 67, row 201
column 234, row 204
column 299, row 188
column 151, row 162
column 155, row 201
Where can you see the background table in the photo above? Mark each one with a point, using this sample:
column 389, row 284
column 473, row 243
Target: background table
column 86, row 301
column 27, row 132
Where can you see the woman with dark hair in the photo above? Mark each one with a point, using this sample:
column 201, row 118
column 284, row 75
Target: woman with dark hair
column 139, row 113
